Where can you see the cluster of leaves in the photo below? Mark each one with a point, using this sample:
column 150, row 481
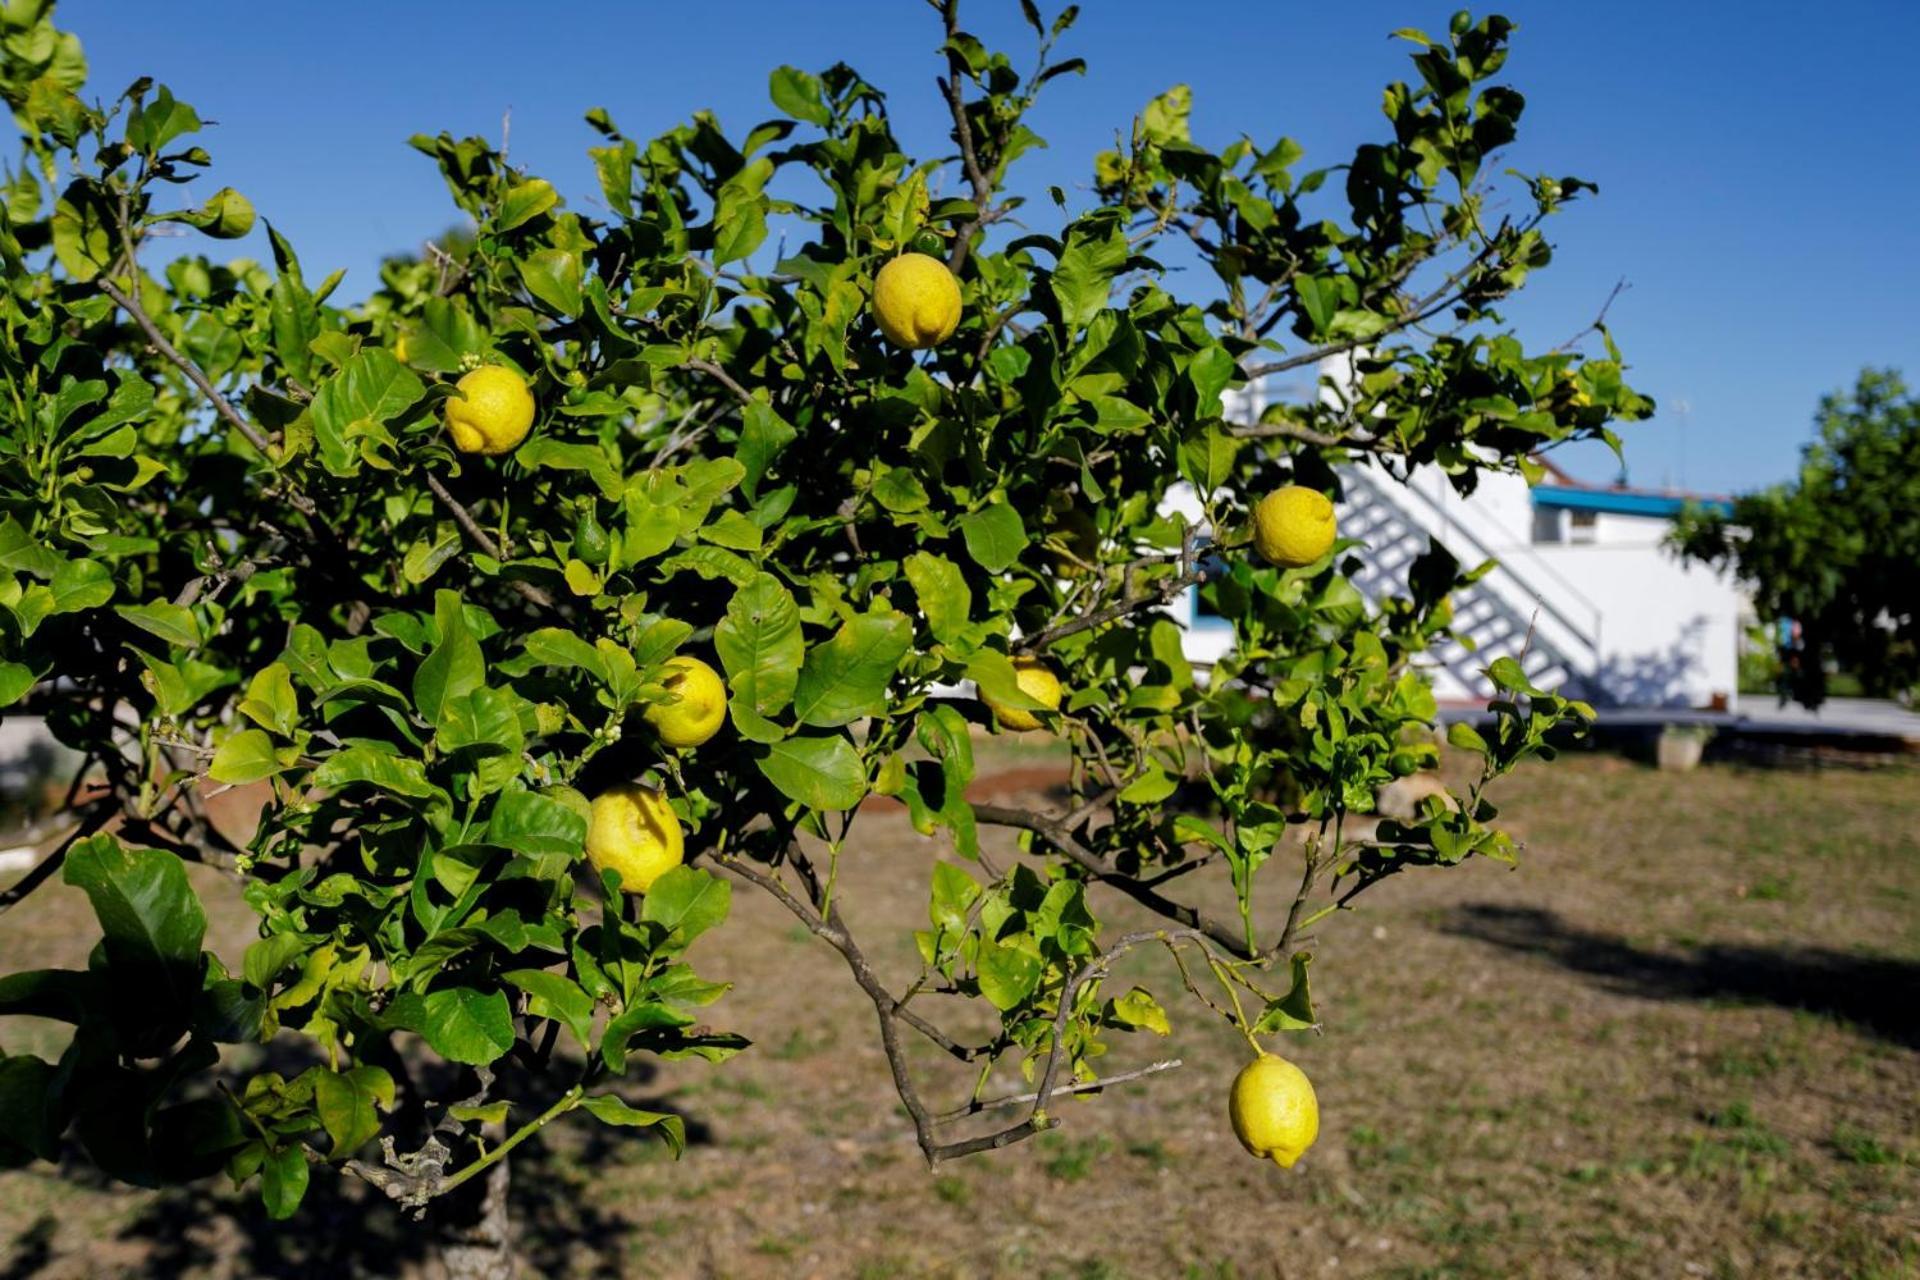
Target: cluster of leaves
column 1834, row 550
column 236, row 548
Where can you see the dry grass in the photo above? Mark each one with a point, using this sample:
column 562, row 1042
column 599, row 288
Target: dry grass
column 1683, row 1039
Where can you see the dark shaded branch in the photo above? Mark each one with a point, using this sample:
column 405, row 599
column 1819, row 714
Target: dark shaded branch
column 92, row 820
column 483, row 540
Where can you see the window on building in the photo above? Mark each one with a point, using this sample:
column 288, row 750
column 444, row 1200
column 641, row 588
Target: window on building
column 1583, row 526
column 1546, row 525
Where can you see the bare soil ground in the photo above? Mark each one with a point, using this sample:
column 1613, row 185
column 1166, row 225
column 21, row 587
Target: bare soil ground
column 1682, row 1039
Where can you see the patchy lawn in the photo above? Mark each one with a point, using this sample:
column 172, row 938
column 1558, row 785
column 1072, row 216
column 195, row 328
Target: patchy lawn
column 1682, row 1039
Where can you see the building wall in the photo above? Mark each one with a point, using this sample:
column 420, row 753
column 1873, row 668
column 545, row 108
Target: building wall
column 1668, row 630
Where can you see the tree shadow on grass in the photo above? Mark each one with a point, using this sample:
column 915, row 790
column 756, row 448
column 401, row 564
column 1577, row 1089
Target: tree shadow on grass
column 1874, row 993
column 345, row 1229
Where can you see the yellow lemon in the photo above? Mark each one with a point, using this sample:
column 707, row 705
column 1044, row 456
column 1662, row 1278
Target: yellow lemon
column 1273, row 1110
column 1037, row 681
column 492, row 412
column 400, row 347
column 634, row 831
column 1293, row 526
column 916, row 301
column 701, row 708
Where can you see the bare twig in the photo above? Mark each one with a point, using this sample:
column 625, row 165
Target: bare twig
column 1084, row 1086
column 963, row 136
column 1599, row 321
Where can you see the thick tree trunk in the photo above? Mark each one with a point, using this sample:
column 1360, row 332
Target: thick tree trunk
column 475, row 1230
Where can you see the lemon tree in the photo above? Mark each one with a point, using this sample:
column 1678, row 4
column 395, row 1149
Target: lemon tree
column 599, row 564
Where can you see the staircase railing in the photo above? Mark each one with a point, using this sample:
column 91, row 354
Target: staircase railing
column 1573, row 619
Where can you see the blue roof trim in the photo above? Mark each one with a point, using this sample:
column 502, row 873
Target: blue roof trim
column 1620, row 502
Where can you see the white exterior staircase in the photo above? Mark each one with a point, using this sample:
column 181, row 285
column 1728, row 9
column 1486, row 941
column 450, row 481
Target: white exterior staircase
column 1519, row 610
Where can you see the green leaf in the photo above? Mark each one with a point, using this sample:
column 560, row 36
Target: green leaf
column 529, row 822
column 271, row 956
column 797, row 93
column 171, row 622
column 16, row 678
column 1294, row 1010
column 271, row 701
column 1008, row 975
column 247, row 756
column 283, row 1181
column 29, row 1124
column 556, row 996
column 1084, row 275
column 993, row 672
column 1211, row 372
column 819, row 772
column 1138, row 1009
column 1207, row 458
column 635, row 1020
column 760, row 646
column 401, row 775
column 687, row 902
column 464, row 1025
column 371, row 387
column 608, row 1109
column 945, row 599
column 995, row 536
column 1509, row 675
column 554, row 276
column 80, row 584
column 1464, row 736
column 954, row 892
column 739, row 224
column 847, row 677
column 152, row 924
column 558, row 647
column 524, row 202
column 900, row 491
column 1151, row 787
column 455, row 667
column 350, row 1103
column 1319, row 299
column 763, row 435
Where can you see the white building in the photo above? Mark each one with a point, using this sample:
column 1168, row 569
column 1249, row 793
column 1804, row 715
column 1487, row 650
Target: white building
column 1586, row 596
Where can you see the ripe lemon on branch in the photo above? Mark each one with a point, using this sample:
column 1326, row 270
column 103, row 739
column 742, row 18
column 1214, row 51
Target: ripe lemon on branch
column 701, row 706
column 1035, row 679
column 635, row 832
column 1273, row 1109
column 1293, row 526
column 916, row 301
column 491, row 412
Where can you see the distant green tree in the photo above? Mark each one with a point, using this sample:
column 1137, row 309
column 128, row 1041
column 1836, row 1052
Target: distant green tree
column 1835, row 550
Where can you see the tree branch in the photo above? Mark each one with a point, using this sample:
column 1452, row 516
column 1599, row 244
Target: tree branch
column 1083, row 1086
column 1107, row 873
column 483, row 540
column 130, row 304
column 720, row 376
column 963, row 136
column 91, row 821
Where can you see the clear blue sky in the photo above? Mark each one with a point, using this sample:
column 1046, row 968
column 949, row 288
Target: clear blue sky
column 1759, row 161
